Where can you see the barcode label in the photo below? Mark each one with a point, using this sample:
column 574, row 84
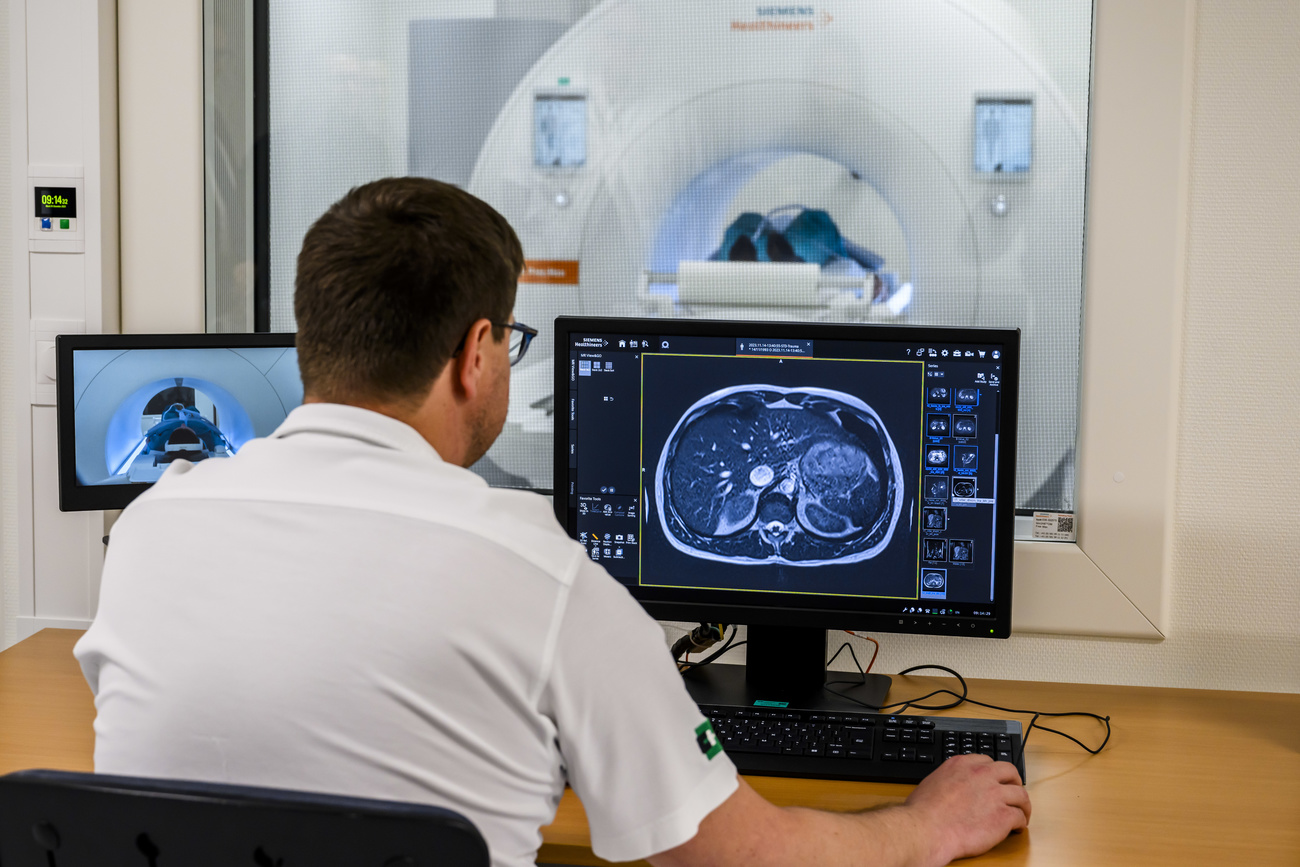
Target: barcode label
column 1054, row 526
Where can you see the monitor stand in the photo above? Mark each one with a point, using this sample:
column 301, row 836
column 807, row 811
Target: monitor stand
column 786, row 667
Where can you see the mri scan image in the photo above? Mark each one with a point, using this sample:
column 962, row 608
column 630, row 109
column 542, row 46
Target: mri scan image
column 763, row 474
column 934, row 580
column 934, row 550
column 962, row 550
column 936, row 487
column 936, row 424
column 934, row 518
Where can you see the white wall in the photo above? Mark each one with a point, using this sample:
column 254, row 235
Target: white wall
column 63, row 125
column 160, row 50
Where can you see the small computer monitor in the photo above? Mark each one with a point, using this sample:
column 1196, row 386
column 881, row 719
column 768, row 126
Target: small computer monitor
column 1004, row 136
column 129, row 405
column 793, row 477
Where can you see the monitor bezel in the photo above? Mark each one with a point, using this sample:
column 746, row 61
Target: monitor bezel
column 84, row 498
column 713, row 606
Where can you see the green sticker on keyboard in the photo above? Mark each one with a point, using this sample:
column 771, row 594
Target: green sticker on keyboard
column 771, row 704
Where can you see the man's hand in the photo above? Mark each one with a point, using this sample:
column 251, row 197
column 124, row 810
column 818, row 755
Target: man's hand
column 972, row 803
column 966, row 806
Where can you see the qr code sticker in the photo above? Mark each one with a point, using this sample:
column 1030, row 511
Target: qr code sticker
column 1054, row 526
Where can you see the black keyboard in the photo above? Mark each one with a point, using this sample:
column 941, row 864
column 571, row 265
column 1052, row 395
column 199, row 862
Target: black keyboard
column 871, row 747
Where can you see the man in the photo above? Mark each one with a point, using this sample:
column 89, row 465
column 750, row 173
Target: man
column 360, row 614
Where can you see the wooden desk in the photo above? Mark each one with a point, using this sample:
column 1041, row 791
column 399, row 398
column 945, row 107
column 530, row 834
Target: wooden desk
column 1189, row 777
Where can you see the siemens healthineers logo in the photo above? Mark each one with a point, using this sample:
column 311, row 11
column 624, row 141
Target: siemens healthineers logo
column 783, row 18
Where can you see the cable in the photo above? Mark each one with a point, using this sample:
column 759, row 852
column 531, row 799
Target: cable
column 698, row 639
column 963, row 698
column 730, row 644
column 874, row 653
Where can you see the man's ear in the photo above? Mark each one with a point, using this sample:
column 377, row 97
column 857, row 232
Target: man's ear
column 472, row 362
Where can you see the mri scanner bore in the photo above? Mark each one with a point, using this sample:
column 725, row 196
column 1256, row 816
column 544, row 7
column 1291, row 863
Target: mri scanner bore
column 174, row 428
column 630, row 142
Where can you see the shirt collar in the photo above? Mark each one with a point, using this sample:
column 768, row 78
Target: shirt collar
column 342, row 420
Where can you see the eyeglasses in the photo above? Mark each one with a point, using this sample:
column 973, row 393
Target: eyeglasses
column 520, row 336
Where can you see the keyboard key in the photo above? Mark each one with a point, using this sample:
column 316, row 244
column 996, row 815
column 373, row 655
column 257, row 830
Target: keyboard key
column 889, row 754
column 891, row 734
column 907, row 754
column 909, row 735
column 925, row 754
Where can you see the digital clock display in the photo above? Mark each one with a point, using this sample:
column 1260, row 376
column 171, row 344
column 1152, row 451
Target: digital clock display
column 56, row 201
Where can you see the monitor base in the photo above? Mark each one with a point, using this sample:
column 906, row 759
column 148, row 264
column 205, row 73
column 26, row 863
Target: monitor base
column 718, row 683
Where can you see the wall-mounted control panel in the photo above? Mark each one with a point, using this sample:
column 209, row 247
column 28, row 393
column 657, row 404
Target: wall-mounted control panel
column 56, row 209
column 56, row 220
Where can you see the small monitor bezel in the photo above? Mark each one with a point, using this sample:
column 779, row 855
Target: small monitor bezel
column 733, row 606
column 83, row 498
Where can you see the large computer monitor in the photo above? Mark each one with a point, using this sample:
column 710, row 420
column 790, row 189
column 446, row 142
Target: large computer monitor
column 131, row 404
column 794, row 478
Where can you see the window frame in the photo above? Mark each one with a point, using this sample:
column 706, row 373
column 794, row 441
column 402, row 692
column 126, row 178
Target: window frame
column 1115, row 580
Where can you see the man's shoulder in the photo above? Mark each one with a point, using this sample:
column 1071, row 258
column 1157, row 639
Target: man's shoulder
column 384, row 486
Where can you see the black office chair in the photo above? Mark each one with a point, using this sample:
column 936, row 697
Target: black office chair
column 59, row 819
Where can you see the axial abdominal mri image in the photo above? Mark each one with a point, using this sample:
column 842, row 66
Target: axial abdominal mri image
column 762, row 474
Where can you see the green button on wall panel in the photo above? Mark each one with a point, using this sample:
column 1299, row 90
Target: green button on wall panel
column 64, row 224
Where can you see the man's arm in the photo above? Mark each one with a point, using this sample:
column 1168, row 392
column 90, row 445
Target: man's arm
column 967, row 806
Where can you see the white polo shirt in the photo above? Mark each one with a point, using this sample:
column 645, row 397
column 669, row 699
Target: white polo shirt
column 337, row 609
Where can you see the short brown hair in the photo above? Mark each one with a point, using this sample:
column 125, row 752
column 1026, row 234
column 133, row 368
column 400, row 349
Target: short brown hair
column 389, row 280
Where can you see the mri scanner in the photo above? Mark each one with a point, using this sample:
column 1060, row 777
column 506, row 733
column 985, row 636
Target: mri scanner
column 118, row 441
column 644, row 130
